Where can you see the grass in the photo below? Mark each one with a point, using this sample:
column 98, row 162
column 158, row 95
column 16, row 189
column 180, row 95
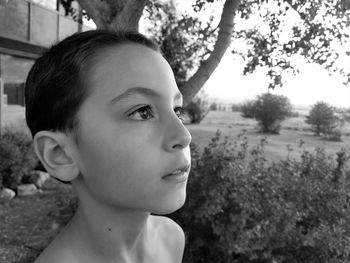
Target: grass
column 293, row 131
column 27, row 224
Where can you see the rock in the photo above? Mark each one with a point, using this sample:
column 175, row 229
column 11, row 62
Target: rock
column 26, row 189
column 38, row 178
column 7, row 194
column 55, row 225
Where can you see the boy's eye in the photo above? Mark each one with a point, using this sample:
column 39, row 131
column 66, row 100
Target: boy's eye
column 180, row 112
column 143, row 113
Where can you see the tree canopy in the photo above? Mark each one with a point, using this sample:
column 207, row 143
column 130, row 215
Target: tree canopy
column 269, row 110
column 290, row 30
column 271, row 34
column 322, row 118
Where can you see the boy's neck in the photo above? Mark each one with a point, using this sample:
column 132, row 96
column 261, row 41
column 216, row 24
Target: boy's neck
column 108, row 232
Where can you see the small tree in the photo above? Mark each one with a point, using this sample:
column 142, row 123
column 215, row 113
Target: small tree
column 198, row 108
column 213, row 106
column 322, row 118
column 269, row 110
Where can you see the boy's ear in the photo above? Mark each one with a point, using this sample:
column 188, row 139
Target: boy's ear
column 54, row 150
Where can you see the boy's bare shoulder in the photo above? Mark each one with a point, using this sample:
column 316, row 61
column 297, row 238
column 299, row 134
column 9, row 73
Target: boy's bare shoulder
column 56, row 252
column 171, row 234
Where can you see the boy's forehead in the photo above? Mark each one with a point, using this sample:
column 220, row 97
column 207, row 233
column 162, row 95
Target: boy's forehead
column 125, row 58
column 129, row 65
column 127, row 55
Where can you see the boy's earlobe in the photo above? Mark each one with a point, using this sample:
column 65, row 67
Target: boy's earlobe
column 54, row 152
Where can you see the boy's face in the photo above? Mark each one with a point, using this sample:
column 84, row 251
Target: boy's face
column 130, row 135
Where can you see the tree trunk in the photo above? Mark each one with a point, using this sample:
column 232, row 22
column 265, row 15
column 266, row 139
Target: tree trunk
column 207, row 67
column 125, row 15
column 114, row 14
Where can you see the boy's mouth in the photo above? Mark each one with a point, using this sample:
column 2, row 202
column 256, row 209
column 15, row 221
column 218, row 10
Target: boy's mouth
column 178, row 175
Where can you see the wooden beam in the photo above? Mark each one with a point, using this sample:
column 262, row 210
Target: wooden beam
column 22, row 46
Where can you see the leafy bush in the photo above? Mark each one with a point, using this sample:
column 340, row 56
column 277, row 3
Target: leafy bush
column 198, row 108
column 236, row 107
column 213, row 106
column 334, row 135
column 269, row 110
column 240, row 208
column 322, row 118
column 248, row 109
column 17, row 158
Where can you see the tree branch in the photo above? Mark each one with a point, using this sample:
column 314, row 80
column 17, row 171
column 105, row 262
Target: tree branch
column 207, row 67
column 114, row 14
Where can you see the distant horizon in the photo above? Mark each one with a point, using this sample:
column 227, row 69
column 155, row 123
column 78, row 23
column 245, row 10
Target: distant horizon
column 233, row 101
column 311, row 85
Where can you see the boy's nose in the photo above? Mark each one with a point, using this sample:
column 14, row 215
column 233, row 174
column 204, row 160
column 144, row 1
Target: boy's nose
column 177, row 136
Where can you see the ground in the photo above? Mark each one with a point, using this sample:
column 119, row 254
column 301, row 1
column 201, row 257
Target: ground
column 28, row 223
column 292, row 132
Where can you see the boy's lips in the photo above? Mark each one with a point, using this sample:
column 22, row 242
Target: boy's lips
column 178, row 175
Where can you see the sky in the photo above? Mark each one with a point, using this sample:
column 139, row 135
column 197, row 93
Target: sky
column 312, row 84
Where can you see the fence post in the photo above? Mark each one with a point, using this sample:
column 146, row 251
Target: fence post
column 1, row 104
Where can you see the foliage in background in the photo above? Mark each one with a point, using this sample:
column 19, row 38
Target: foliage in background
column 269, row 110
column 213, row 106
column 17, row 158
column 322, row 118
column 198, row 108
column 289, row 33
column 241, row 208
column 345, row 114
column 236, row 107
column 248, row 110
column 183, row 39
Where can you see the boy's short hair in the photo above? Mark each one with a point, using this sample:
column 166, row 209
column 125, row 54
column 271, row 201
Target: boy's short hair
column 55, row 87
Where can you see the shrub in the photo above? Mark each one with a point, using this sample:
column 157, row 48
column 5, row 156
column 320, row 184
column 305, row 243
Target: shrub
column 294, row 114
column 240, row 208
column 322, row 118
column 213, row 106
column 334, row 135
column 198, row 108
column 17, row 158
column 236, row 107
column 269, row 110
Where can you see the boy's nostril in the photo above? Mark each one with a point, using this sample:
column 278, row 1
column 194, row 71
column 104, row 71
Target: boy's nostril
column 178, row 146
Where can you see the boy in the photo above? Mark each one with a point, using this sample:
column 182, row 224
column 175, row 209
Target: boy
column 104, row 112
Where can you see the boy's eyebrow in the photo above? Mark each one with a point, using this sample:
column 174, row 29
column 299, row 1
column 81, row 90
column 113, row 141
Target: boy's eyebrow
column 140, row 90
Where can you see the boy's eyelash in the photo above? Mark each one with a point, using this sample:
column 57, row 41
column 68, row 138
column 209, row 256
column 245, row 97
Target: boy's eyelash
column 179, row 111
column 144, row 108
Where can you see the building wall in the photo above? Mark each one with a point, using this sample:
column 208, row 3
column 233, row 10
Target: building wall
column 14, row 69
column 14, row 22
column 27, row 28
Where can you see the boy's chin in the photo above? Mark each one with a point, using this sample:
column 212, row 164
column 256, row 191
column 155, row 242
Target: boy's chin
column 170, row 208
